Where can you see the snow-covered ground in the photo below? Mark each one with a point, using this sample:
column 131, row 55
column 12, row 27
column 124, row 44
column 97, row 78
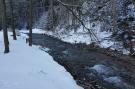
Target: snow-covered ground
column 38, row 31
column 30, row 68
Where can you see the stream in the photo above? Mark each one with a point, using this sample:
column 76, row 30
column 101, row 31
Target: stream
column 90, row 69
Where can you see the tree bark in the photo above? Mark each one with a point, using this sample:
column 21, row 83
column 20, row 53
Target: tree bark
column 30, row 20
column 52, row 13
column 12, row 20
column 4, row 27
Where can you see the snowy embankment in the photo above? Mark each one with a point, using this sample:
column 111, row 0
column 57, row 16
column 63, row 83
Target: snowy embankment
column 30, row 68
column 80, row 36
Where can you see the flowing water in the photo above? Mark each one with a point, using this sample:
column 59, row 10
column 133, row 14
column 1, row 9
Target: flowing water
column 87, row 66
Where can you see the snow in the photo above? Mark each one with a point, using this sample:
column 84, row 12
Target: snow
column 30, row 68
column 108, row 74
column 114, row 80
column 102, row 69
column 80, row 36
column 44, row 49
column 131, row 10
column 117, row 81
column 37, row 31
column 106, row 44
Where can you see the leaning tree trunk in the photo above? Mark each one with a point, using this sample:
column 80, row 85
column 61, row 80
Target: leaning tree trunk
column 30, row 17
column 12, row 20
column 4, row 27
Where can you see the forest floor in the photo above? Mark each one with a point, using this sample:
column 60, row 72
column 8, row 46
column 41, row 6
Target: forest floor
column 30, row 68
column 93, row 68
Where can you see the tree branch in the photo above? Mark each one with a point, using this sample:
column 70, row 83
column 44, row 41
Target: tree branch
column 88, row 29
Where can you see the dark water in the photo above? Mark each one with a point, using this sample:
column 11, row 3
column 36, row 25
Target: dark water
column 88, row 67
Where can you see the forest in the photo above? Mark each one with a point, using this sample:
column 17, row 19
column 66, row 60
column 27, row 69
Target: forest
column 82, row 44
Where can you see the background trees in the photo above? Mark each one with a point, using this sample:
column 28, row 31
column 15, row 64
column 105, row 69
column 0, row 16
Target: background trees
column 69, row 15
column 12, row 19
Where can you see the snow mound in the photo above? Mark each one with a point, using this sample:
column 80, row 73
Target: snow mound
column 114, row 80
column 102, row 69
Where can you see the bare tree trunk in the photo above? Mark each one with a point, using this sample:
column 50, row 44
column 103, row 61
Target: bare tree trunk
column 30, row 20
column 52, row 13
column 5, row 33
column 12, row 20
column 43, row 4
column 114, row 15
column 73, row 18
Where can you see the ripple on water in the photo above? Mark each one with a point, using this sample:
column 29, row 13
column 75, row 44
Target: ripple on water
column 109, row 75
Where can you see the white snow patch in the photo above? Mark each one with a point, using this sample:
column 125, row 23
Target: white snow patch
column 125, row 51
column 114, row 80
column 131, row 10
column 102, row 69
column 45, row 49
column 117, row 81
column 106, row 44
column 35, row 30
